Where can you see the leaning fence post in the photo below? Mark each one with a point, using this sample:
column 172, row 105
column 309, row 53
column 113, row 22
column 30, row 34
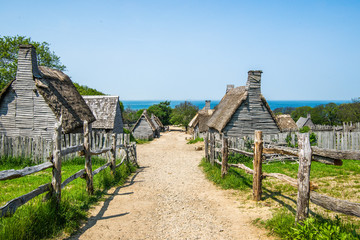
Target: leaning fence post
column 305, row 152
column 88, row 167
column 225, row 151
column 257, row 177
column 212, row 148
column 56, row 172
column 113, row 153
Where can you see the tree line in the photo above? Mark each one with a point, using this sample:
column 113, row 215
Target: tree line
column 326, row 114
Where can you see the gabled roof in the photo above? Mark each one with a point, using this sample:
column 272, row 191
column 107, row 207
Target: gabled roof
column 157, row 120
column 286, row 123
column 228, row 106
column 194, row 121
column 104, row 109
column 301, row 122
column 148, row 120
column 204, row 116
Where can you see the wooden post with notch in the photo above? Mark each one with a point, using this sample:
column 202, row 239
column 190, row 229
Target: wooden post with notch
column 305, row 152
column 225, row 154
column 56, row 172
column 212, row 148
column 257, row 176
column 113, row 154
column 88, row 165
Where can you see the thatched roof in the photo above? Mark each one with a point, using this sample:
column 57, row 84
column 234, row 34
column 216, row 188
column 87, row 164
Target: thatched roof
column 228, row 106
column 157, row 120
column 194, row 121
column 104, row 110
column 203, row 116
column 62, row 97
column 147, row 119
column 286, row 123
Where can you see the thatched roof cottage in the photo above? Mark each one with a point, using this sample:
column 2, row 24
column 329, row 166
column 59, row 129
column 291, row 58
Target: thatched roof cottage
column 198, row 125
column 243, row 110
column 286, row 123
column 32, row 103
column 144, row 128
column 302, row 122
column 107, row 112
column 157, row 123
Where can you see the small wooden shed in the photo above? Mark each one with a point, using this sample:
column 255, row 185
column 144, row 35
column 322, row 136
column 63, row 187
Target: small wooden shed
column 144, row 128
column 243, row 110
column 302, row 122
column 198, row 125
column 107, row 112
column 32, row 103
column 286, row 123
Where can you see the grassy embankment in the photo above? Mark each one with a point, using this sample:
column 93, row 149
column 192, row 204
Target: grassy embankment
column 39, row 219
column 341, row 182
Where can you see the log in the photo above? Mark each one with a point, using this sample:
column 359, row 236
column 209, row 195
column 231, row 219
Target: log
column 336, row 154
column 11, row 174
column 88, row 165
column 257, row 176
column 224, row 162
column 56, row 173
column 72, row 149
column 113, row 154
column 100, row 151
column 249, row 154
column 11, row 206
column 303, row 196
column 336, row 205
column 73, row 177
column 101, row 168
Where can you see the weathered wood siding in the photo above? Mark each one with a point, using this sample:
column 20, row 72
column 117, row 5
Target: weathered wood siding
column 251, row 115
column 143, row 130
column 23, row 111
column 118, row 123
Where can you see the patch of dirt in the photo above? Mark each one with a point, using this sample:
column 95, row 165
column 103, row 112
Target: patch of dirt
column 170, row 198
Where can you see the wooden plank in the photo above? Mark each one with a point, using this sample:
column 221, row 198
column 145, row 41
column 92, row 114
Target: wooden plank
column 100, row 151
column 101, row 168
column 88, row 165
column 11, row 206
column 336, row 205
column 249, row 154
column 206, row 146
column 224, row 162
column 11, row 174
column 113, row 153
column 72, row 149
column 257, row 176
column 212, row 148
column 122, row 161
column 73, row 177
column 303, row 196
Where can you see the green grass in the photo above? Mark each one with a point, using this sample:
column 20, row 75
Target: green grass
column 40, row 219
column 192, row 141
column 142, row 141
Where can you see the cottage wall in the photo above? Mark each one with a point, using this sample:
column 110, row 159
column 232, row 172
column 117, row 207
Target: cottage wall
column 23, row 111
column 143, row 130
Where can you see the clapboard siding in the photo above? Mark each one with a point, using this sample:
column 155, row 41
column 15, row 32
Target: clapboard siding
column 143, row 130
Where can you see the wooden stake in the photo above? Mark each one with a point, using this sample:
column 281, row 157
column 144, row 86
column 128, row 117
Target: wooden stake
column 224, row 162
column 113, row 154
column 305, row 152
column 206, row 141
column 56, row 172
column 88, row 167
column 257, row 177
column 212, row 148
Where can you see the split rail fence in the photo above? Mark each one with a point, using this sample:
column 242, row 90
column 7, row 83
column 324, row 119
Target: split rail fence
column 305, row 154
column 56, row 157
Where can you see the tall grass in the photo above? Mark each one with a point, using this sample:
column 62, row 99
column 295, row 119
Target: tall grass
column 40, row 219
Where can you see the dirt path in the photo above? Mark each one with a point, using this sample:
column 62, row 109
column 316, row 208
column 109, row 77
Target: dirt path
column 169, row 198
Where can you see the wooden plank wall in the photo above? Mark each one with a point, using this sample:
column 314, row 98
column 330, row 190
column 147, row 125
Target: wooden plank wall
column 40, row 149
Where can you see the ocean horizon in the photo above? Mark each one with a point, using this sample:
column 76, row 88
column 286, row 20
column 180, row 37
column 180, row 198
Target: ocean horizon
column 144, row 104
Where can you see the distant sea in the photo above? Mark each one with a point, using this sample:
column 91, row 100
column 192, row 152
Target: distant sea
column 137, row 104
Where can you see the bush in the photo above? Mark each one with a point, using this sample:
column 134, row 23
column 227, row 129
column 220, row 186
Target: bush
column 198, row 139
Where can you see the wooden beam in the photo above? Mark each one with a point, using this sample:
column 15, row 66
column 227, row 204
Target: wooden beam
column 72, row 149
column 100, row 151
column 11, row 206
column 122, row 161
column 212, row 148
column 257, row 175
column 11, row 174
column 336, row 154
column 73, row 177
column 206, row 141
column 303, row 196
column 101, row 168
column 249, row 154
column 113, row 154
column 336, row 205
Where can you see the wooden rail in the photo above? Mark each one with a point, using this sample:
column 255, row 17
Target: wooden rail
column 56, row 185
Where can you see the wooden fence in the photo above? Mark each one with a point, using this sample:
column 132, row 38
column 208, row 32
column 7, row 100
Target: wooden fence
column 305, row 154
column 58, row 154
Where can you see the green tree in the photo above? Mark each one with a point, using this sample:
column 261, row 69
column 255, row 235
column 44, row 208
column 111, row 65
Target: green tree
column 9, row 48
column 183, row 113
column 318, row 114
column 331, row 114
column 300, row 112
column 162, row 111
column 349, row 112
column 85, row 90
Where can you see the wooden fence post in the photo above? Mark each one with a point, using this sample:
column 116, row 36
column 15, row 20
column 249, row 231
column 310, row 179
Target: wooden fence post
column 225, row 151
column 305, row 152
column 206, row 141
column 56, row 172
column 257, row 176
column 88, row 167
column 135, row 154
column 113, row 154
column 212, row 148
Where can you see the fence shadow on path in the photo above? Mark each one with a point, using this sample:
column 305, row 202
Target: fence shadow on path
column 100, row 216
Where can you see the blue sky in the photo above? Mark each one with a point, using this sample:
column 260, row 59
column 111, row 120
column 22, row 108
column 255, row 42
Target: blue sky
column 143, row 50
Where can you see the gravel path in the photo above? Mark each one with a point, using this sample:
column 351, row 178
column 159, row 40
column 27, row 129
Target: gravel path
column 169, row 198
